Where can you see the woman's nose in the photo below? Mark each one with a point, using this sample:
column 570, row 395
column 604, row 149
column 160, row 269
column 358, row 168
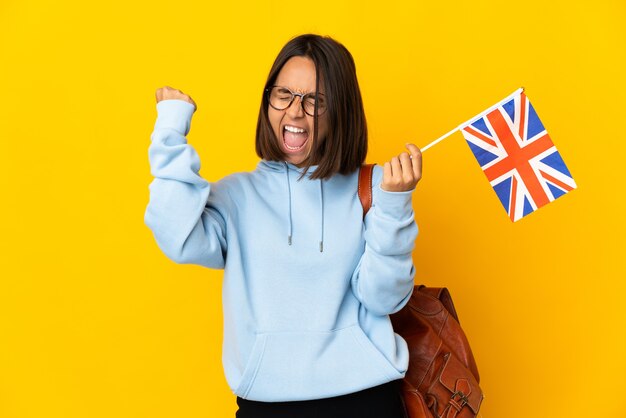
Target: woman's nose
column 295, row 108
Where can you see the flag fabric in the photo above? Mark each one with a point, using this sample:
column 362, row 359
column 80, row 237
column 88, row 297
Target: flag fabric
column 518, row 157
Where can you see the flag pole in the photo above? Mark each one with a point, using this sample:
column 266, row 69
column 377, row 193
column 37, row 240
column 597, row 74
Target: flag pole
column 441, row 138
column 469, row 121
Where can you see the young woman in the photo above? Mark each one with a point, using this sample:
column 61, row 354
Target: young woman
column 308, row 284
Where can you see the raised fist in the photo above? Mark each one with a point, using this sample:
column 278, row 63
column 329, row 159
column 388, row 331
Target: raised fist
column 403, row 172
column 169, row 93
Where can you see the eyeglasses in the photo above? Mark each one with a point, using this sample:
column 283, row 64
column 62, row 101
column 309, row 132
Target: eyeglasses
column 280, row 98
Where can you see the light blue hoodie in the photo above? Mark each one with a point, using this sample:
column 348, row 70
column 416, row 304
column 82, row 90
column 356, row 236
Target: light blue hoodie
column 308, row 286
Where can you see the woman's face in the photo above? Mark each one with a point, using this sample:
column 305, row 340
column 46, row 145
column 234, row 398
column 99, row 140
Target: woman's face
column 293, row 128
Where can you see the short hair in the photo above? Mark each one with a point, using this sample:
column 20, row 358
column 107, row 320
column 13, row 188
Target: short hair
column 344, row 148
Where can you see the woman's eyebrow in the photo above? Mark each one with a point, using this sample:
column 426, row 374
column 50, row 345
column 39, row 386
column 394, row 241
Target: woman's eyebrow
column 299, row 90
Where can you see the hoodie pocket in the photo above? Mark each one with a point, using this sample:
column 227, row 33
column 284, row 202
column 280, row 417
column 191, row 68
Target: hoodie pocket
column 287, row 366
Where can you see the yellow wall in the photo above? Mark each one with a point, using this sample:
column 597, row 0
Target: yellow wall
column 96, row 322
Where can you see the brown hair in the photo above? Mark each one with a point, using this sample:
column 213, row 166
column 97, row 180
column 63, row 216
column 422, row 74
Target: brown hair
column 345, row 146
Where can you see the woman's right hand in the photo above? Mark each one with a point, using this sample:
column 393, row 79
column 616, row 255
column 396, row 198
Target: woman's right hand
column 169, row 93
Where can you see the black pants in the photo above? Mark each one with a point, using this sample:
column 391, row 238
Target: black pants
column 382, row 401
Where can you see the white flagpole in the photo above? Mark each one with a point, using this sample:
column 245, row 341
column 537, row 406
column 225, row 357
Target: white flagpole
column 441, row 138
column 469, row 121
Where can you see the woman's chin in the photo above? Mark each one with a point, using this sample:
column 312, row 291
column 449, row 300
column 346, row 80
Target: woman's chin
column 297, row 161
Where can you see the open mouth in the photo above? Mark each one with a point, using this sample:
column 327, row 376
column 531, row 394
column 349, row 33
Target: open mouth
column 294, row 138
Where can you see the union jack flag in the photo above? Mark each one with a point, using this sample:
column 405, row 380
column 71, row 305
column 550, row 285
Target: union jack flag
column 518, row 157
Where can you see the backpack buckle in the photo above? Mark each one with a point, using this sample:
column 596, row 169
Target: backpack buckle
column 460, row 401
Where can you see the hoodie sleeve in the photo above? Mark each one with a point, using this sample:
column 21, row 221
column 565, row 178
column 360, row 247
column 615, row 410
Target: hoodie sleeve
column 383, row 279
column 187, row 219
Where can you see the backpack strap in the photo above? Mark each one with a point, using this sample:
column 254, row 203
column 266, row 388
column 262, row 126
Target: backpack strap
column 365, row 187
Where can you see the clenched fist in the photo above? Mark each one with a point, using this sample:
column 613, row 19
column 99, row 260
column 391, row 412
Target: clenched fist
column 402, row 173
column 169, row 93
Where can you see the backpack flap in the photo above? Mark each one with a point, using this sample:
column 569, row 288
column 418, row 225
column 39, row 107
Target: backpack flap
column 462, row 386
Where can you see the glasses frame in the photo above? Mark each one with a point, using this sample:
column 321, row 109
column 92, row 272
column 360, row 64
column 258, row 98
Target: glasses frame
column 293, row 96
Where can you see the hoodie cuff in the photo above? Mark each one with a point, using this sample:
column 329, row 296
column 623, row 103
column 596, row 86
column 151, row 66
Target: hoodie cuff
column 174, row 114
column 396, row 205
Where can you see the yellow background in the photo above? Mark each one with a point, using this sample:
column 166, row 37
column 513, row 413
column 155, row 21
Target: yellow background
column 96, row 322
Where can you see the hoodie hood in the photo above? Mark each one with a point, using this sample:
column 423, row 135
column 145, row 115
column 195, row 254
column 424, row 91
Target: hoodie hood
column 281, row 166
column 290, row 169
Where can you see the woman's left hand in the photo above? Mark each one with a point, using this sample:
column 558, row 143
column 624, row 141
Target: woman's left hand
column 402, row 173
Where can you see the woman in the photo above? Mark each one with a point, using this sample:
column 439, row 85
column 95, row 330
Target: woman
column 308, row 284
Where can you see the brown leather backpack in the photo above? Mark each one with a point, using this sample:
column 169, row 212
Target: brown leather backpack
column 442, row 378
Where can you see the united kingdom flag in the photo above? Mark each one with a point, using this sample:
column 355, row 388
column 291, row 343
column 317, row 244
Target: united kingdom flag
column 518, row 157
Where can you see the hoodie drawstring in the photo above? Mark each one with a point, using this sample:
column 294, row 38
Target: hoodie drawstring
column 321, row 211
column 289, row 194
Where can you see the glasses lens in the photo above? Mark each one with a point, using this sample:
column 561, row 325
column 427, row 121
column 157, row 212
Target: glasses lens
column 309, row 104
column 280, row 98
